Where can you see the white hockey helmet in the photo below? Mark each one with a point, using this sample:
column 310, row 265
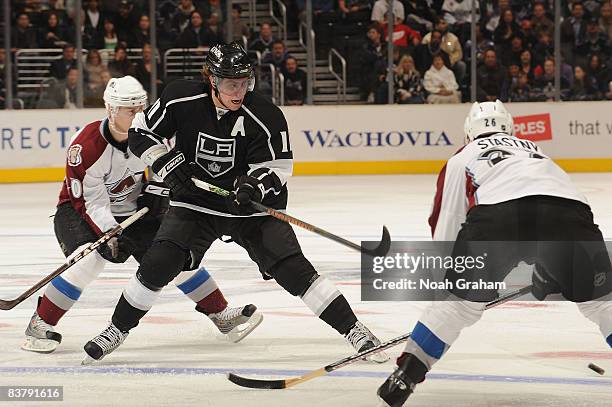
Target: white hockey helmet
column 125, row 92
column 487, row 117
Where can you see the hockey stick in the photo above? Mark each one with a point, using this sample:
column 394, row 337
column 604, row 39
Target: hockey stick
column 10, row 304
column 381, row 250
column 286, row 383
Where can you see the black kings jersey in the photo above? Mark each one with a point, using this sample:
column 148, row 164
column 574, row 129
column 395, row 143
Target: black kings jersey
column 224, row 144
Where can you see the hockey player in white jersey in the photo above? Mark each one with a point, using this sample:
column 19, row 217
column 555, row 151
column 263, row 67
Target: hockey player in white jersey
column 502, row 188
column 104, row 184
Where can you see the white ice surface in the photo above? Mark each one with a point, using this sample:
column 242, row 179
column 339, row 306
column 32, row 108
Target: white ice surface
column 517, row 355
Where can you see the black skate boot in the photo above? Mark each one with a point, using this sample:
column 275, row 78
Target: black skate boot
column 103, row 344
column 400, row 385
column 362, row 339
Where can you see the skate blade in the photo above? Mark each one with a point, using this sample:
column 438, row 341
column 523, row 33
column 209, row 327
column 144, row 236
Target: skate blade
column 88, row 361
column 37, row 345
column 243, row 330
column 379, row 357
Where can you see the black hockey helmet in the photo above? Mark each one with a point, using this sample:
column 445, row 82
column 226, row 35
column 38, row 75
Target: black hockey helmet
column 229, row 61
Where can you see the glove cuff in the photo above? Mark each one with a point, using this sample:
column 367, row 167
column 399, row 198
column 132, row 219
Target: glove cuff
column 168, row 163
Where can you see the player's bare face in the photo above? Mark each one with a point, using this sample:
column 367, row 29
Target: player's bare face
column 124, row 116
column 232, row 91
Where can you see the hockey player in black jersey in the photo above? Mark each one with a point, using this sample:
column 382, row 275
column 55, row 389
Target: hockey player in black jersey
column 232, row 137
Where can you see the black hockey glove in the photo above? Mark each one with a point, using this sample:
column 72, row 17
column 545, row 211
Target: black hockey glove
column 156, row 197
column 118, row 249
column 176, row 173
column 247, row 189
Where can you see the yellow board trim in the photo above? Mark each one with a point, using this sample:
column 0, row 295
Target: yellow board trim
column 16, row 175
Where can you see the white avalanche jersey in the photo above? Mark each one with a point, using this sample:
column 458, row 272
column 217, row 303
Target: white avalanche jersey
column 103, row 178
column 491, row 170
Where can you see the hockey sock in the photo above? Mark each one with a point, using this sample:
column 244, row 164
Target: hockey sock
column 439, row 327
column 600, row 312
column 64, row 290
column 325, row 301
column 136, row 300
column 202, row 289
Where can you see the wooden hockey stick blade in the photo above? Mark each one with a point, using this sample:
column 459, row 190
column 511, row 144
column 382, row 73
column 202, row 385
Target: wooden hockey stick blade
column 285, row 383
column 6, row 305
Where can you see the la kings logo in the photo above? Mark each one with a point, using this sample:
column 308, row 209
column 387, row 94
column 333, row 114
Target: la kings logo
column 215, row 155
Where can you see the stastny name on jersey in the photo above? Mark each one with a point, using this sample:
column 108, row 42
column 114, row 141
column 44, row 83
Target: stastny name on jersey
column 395, row 138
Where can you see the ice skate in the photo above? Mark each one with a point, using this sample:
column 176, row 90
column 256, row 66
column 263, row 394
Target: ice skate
column 400, row 385
column 362, row 339
column 236, row 323
column 40, row 336
column 103, row 344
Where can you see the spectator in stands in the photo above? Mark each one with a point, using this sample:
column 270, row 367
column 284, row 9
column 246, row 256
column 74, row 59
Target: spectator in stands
column 210, row 7
column 195, row 35
column 239, row 28
column 120, row 66
column 540, row 21
column 544, row 86
column 512, row 54
column 60, row 67
column 527, row 34
column 522, row 8
column 584, row 86
column 605, row 19
column 63, row 95
column 408, row 83
column 419, row 16
column 458, row 14
column 109, row 38
column 595, row 42
column 94, row 20
column 23, row 35
column 355, row 10
column 373, row 62
column 182, row 15
column 404, row 37
column 2, row 73
column 598, row 70
column 141, row 35
column 52, row 35
column 506, row 30
column 449, row 44
column 263, row 42
column 482, row 44
column 573, row 29
column 278, row 56
column 93, row 68
column 381, row 7
column 126, row 20
column 544, row 48
column 214, row 30
column 490, row 78
column 425, row 52
column 491, row 14
column 528, row 66
column 295, row 82
column 143, row 70
column 54, row 6
column 440, row 83
column 521, row 90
